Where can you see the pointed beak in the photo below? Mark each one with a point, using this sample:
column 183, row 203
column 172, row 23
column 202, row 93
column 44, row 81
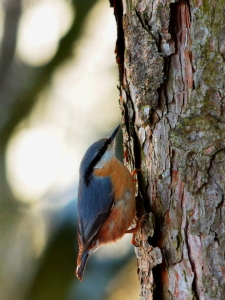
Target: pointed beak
column 114, row 134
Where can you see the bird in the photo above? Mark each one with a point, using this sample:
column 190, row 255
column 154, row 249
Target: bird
column 106, row 199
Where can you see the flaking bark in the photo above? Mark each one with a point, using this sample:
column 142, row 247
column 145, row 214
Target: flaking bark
column 171, row 58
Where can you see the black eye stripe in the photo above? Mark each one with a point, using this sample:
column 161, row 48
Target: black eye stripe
column 89, row 171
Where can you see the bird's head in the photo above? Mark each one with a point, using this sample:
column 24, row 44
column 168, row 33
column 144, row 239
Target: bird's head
column 98, row 155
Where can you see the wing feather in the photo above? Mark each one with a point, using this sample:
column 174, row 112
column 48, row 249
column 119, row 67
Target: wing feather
column 94, row 206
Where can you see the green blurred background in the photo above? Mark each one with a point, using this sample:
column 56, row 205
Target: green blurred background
column 58, row 94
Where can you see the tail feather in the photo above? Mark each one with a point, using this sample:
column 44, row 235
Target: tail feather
column 81, row 264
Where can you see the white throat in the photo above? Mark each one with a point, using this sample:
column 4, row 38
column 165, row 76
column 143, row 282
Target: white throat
column 107, row 156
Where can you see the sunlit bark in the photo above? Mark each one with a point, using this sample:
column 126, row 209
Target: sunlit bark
column 171, row 58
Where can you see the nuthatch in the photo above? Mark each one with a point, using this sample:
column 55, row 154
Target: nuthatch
column 106, row 199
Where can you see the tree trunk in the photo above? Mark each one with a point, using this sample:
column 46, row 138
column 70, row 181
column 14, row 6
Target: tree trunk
column 171, row 58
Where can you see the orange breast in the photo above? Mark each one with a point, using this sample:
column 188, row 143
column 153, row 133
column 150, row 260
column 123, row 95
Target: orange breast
column 123, row 211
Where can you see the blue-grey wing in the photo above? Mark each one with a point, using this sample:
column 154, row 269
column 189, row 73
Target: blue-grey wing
column 95, row 201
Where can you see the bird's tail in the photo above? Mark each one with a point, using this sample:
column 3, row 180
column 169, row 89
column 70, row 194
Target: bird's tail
column 81, row 264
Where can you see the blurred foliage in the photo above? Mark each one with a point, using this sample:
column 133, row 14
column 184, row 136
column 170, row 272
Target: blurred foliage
column 38, row 247
column 30, row 80
column 56, row 272
column 19, row 83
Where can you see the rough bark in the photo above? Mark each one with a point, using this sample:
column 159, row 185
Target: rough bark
column 171, row 58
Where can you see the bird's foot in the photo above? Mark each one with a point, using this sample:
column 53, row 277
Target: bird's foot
column 136, row 228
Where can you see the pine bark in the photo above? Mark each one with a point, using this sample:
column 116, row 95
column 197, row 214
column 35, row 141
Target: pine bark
column 171, row 59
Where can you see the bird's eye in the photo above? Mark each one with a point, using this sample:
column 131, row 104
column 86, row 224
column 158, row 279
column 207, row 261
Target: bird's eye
column 100, row 151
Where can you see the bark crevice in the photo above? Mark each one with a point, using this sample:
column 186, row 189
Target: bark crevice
column 173, row 92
